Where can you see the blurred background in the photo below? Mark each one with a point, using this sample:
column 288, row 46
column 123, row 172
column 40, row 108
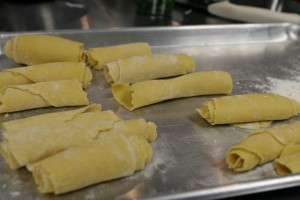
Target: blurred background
column 29, row 15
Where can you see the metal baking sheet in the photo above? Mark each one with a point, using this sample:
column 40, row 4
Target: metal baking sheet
column 188, row 153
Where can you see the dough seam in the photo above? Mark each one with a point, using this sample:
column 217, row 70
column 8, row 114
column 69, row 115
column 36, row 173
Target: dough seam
column 18, row 74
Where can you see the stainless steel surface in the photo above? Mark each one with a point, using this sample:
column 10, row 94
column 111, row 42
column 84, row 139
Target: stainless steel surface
column 188, row 157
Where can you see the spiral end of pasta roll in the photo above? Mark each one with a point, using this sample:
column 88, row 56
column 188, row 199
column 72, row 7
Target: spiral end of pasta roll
column 8, row 156
column 123, row 95
column 241, row 160
column 143, row 151
column 81, row 53
column 281, row 168
column 91, row 59
column 87, row 77
column 288, row 162
column 9, row 48
column 41, row 177
column 188, row 62
column 112, row 72
column 152, row 132
column 206, row 112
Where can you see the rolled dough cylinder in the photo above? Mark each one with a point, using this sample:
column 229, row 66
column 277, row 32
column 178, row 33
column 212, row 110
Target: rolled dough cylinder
column 289, row 160
column 38, row 49
column 140, row 68
column 46, row 72
column 253, row 151
column 110, row 157
column 90, row 112
column 152, row 91
column 53, row 93
column 248, row 108
column 98, row 57
column 28, row 145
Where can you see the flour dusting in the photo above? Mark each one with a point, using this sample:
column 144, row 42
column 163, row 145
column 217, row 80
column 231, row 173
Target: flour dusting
column 284, row 87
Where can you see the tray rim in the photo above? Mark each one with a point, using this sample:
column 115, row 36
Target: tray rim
column 153, row 28
column 244, row 188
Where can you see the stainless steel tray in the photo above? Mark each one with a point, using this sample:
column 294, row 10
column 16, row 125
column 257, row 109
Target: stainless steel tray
column 188, row 153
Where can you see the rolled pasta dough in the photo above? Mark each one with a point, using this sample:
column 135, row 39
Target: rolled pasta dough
column 28, row 145
column 98, row 57
column 140, row 68
column 91, row 112
column 46, row 72
column 44, row 94
column 248, row 108
column 152, row 91
column 111, row 156
column 289, row 160
column 38, row 49
column 253, row 151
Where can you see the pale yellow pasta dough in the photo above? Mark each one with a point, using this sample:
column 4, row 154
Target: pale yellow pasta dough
column 90, row 112
column 46, row 72
column 19, row 146
column 262, row 146
column 98, row 57
column 248, row 108
column 38, row 49
column 139, row 127
column 152, row 91
column 290, row 149
column 140, row 68
column 27, row 145
column 110, row 157
column 289, row 160
column 253, row 125
column 53, row 93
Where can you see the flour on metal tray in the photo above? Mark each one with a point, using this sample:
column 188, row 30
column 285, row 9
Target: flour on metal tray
column 287, row 88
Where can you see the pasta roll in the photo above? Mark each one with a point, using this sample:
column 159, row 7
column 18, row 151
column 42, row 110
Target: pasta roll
column 46, row 72
column 152, row 91
column 98, row 57
column 253, row 151
column 289, row 160
column 90, row 112
column 28, row 145
column 19, row 146
column 248, row 108
column 39, row 49
column 44, row 94
column 140, row 68
column 110, row 157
